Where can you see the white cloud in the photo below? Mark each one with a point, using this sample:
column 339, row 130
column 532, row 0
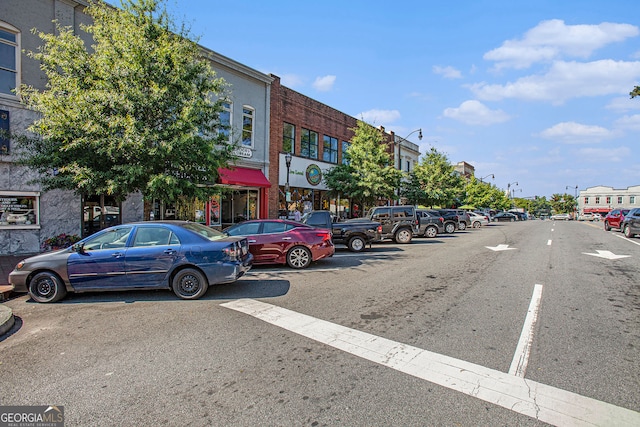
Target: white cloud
column 324, row 84
column 566, row 80
column 447, row 72
column 623, row 103
column 602, row 155
column 291, row 80
column 476, row 113
column 629, row 122
column 576, row 133
column 553, row 39
column 379, row 117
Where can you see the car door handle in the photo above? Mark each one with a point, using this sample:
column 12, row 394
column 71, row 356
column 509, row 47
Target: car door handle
column 252, row 241
column 286, row 238
column 170, row 251
column 117, row 254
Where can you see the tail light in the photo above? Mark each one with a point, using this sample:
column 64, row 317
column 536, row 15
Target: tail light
column 441, row 219
column 325, row 236
column 233, row 251
column 379, row 229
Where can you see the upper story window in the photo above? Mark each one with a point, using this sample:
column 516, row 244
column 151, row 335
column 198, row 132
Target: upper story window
column 586, row 200
column 632, row 200
column 330, row 149
column 608, row 200
column 288, row 138
column 619, row 200
column 9, row 59
column 225, row 120
column 247, row 126
column 597, row 200
column 309, row 144
column 343, row 155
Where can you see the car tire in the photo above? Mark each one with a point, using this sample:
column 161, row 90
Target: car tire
column 403, row 236
column 450, row 227
column 512, row 219
column 607, row 227
column 431, row 231
column 189, row 283
column 627, row 231
column 46, row 287
column 299, row 257
column 356, row 244
column 462, row 225
column 476, row 224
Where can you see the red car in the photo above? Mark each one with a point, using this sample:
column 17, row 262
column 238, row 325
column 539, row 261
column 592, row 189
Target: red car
column 281, row 241
column 614, row 219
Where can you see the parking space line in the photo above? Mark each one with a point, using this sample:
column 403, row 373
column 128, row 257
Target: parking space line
column 628, row 240
column 521, row 357
column 549, row 242
column 545, row 403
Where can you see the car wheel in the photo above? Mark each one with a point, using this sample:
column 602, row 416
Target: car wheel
column 476, row 224
column 462, row 226
column 450, row 227
column 431, row 231
column 46, row 287
column 189, row 284
column 356, row 244
column 299, row 257
column 512, row 219
column 627, row 231
column 607, row 227
column 403, row 236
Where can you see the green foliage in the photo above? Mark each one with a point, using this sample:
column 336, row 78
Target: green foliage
column 133, row 112
column 635, row 92
column 369, row 174
column 412, row 190
column 441, row 185
column 563, row 203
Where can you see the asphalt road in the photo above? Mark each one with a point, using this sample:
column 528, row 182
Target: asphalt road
column 438, row 332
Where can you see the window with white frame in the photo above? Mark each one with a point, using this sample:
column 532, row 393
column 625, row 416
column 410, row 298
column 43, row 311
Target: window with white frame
column 9, row 58
column 619, row 200
column 225, row 120
column 608, row 200
column 597, row 200
column 247, row 125
column 19, row 209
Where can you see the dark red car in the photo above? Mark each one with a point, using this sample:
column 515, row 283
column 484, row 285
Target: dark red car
column 614, row 219
column 281, row 241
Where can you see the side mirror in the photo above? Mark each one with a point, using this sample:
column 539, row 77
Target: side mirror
column 79, row 248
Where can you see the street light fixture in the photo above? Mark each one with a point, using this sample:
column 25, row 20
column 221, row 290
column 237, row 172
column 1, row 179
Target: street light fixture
column 490, row 175
column 399, row 143
column 287, row 159
column 575, row 200
column 509, row 187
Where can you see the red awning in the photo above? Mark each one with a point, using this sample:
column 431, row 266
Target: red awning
column 243, row 176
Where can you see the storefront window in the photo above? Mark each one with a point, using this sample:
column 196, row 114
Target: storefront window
column 238, row 206
column 19, row 209
column 99, row 212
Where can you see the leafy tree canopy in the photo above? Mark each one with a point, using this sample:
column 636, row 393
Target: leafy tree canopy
column 132, row 112
column 438, row 179
column 368, row 174
column 635, row 92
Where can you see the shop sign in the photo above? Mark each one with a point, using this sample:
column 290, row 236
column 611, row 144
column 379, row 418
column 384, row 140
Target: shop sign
column 243, row 152
column 314, row 174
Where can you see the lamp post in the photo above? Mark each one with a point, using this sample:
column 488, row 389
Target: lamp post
column 287, row 194
column 490, row 175
column 509, row 188
column 575, row 201
column 399, row 143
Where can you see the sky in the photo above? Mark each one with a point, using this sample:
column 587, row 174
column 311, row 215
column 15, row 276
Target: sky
column 531, row 92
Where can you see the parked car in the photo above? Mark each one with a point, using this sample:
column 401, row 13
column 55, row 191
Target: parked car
column 431, row 223
column 355, row 233
column 586, row 216
column 520, row 216
column 614, row 219
column 478, row 220
column 183, row 256
column 504, row 216
column 631, row 223
column 562, row 217
column 282, row 241
column 399, row 223
column 451, row 219
column 597, row 217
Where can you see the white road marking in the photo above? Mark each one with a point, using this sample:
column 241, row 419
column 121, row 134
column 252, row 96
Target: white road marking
column 291, row 270
column 500, row 248
column 628, row 240
column 521, row 356
column 548, row 404
column 606, row 255
column 549, row 242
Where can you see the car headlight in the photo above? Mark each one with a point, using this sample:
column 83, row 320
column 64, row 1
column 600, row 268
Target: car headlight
column 20, row 265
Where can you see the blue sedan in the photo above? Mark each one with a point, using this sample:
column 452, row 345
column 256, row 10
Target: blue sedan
column 183, row 256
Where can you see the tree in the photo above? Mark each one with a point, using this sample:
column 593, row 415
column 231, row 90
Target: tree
column 412, row 190
column 563, row 203
column 133, row 112
column 438, row 179
column 635, row 92
column 369, row 174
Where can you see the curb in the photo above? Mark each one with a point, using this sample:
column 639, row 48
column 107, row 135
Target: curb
column 6, row 319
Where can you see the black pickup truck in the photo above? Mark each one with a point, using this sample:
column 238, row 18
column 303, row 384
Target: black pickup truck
column 356, row 233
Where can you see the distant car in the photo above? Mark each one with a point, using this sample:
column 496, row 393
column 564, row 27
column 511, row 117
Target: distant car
column 281, row 241
column 431, row 223
column 478, row 220
column 614, row 219
column 631, row 223
column 597, row 217
column 586, row 216
column 505, row 216
column 562, row 217
column 522, row 216
column 183, row 256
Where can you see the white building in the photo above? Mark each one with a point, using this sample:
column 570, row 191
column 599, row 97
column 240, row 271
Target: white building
column 602, row 199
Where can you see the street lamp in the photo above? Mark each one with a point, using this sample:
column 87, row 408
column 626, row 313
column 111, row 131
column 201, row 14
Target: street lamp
column 399, row 148
column 287, row 194
column 490, row 175
column 509, row 187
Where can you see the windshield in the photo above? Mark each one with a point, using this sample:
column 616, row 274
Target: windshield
column 208, row 232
